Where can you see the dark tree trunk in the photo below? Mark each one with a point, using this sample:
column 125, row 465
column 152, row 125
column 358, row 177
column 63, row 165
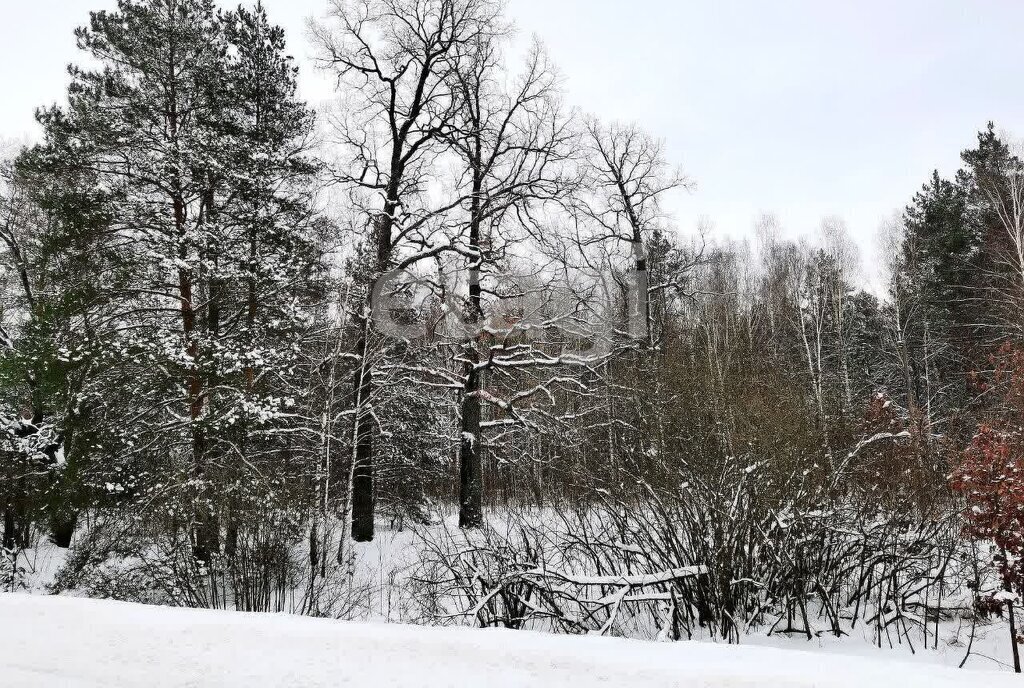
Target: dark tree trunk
column 471, row 512
column 231, row 539
column 362, row 473
column 314, row 548
column 363, row 498
column 62, row 526
column 20, row 523
column 1013, row 630
column 10, row 534
column 471, row 490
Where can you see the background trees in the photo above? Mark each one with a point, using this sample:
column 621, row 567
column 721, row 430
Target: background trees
column 35, row 396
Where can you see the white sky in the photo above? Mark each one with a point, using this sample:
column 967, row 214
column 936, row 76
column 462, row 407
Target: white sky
column 802, row 108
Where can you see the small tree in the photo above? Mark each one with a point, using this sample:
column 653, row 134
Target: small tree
column 991, row 478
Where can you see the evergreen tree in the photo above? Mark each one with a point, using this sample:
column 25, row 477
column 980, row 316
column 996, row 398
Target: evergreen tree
column 191, row 132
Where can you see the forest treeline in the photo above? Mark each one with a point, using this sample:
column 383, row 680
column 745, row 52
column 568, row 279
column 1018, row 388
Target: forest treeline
column 239, row 335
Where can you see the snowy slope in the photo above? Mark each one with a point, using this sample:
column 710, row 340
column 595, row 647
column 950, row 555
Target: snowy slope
column 74, row 643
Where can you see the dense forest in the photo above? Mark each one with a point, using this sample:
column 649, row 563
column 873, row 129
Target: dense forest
column 241, row 338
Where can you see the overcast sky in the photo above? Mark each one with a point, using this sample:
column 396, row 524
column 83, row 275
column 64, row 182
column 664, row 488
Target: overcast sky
column 801, row 108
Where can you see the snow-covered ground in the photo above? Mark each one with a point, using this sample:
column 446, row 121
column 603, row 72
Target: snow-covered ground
column 76, row 643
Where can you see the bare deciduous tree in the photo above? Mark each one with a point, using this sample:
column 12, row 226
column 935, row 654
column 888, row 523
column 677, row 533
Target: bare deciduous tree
column 399, row 59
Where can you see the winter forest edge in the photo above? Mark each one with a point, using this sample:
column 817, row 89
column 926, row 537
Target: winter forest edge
column 437, row 354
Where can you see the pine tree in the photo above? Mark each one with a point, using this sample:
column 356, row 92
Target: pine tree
column 191, row 132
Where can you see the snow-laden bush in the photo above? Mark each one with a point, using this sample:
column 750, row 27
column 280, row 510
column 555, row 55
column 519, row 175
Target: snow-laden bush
column 678, row 567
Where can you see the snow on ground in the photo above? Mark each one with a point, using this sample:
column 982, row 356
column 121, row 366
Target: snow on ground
column 77, row 643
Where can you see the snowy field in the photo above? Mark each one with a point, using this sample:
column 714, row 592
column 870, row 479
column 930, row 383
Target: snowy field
column 76, row 643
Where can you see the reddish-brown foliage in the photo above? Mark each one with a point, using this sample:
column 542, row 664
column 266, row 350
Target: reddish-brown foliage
column 990, row 474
